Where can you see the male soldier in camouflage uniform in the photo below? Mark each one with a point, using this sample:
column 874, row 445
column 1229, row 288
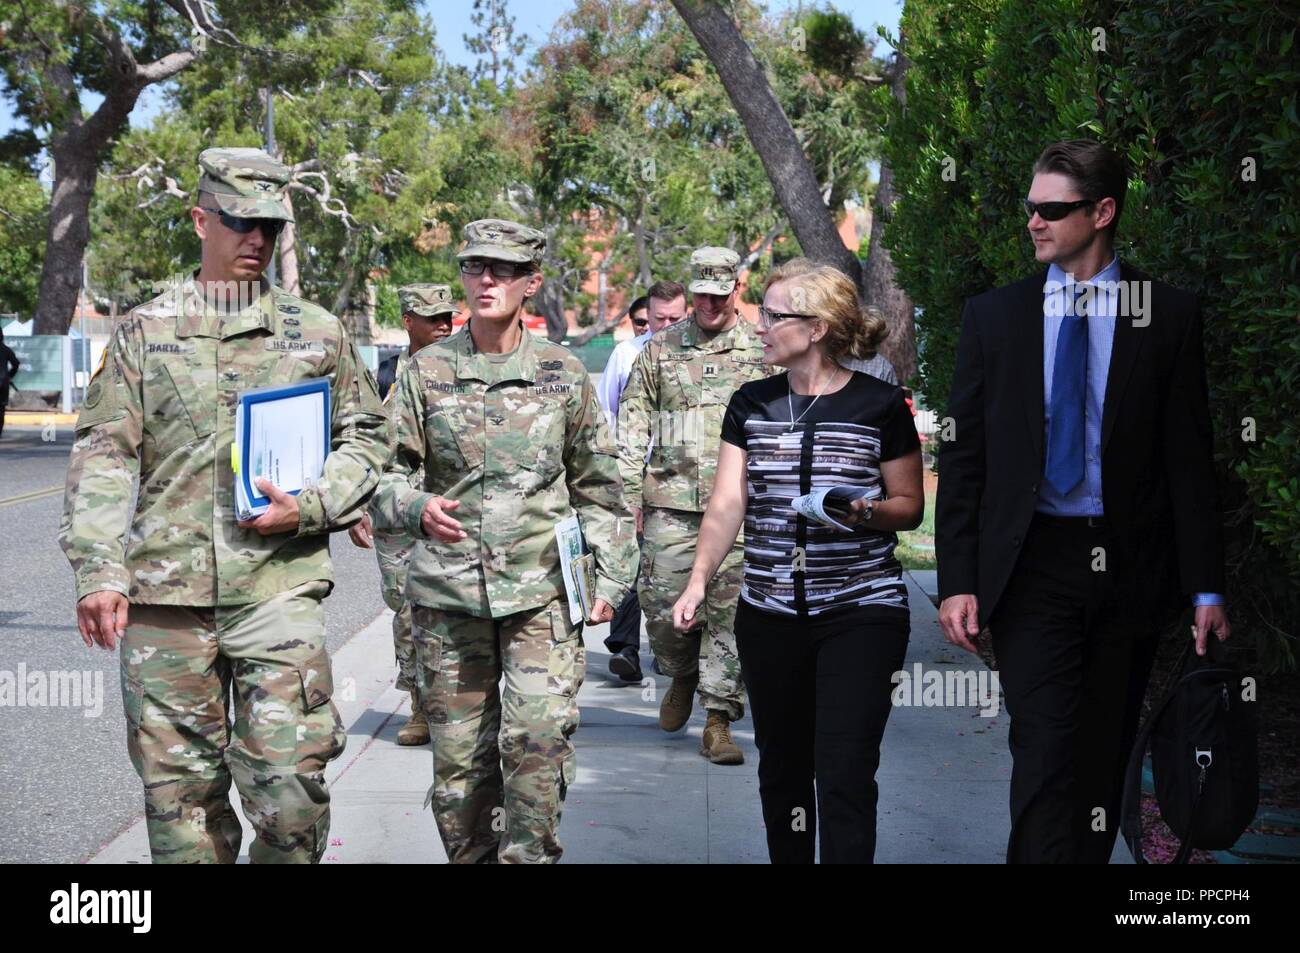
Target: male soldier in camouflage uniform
column 212, row 601
column 676, row 396
column 506, row 434
column 427, row 311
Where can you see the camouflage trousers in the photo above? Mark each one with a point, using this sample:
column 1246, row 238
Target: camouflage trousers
column 179, row 665
column 667, row 554
column 501, row 698
column 394, row 552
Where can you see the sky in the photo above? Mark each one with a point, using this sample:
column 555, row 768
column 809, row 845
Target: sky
column 532, row 17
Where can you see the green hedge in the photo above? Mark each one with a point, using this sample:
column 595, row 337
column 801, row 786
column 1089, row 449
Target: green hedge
column 1187, row 92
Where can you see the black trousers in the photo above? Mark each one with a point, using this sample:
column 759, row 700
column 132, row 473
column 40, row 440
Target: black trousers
column 1073, row 663
column 820, row 697
column 4, row 404
column 625, row 627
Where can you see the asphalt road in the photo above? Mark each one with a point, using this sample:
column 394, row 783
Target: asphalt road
column 66, row 783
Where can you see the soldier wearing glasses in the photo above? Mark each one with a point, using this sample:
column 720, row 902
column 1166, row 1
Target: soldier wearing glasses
column 505, row 437
column 673, row 407
column 202, row 603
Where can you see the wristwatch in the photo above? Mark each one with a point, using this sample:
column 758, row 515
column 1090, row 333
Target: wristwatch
column 870, row 510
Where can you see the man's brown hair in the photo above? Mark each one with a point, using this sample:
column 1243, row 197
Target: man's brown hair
column 666, row 291
column 1096, row 170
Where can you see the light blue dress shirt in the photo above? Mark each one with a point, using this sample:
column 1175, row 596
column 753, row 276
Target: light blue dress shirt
column 1058, row 293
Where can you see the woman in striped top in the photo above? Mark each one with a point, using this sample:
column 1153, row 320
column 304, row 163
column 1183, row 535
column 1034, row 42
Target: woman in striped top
column 823, row 621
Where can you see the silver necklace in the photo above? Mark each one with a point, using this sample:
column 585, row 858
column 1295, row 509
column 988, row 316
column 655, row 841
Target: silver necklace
column 790, row 400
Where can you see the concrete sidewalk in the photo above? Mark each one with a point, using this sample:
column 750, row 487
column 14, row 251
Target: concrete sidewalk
column 643, row 796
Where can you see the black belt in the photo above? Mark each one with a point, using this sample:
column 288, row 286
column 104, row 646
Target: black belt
column 1071, row 522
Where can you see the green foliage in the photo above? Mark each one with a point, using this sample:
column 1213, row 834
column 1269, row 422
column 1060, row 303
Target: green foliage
column 1188, row 94
column 23, row 209
column 355, row 93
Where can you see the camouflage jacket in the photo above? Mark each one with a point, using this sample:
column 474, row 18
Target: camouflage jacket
column 162, row 409
column 675, row 399
column 519, row 440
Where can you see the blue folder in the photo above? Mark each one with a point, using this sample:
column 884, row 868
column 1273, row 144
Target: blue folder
column 239, row 450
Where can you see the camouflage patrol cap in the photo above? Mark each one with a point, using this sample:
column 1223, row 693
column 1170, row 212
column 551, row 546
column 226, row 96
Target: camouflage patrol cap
column 713, row 270
column 503, row 240
column 428, row 301
column 246, row 183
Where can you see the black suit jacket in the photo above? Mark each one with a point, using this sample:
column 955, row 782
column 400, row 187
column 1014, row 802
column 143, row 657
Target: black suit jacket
column 1158, row 483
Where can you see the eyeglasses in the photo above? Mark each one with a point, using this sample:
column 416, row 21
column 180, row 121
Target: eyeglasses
column 271, row 227
column 767, row 318
column 1054, row 211
column 499, row 269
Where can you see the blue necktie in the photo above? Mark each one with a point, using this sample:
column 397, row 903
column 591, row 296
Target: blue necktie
column 1065, row 433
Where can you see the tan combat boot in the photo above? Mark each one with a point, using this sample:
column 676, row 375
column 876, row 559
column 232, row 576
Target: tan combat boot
column 676, row 706
column 718, row 746
column 416, row 730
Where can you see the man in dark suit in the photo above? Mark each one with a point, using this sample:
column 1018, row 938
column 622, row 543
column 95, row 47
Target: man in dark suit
column 1077, row 510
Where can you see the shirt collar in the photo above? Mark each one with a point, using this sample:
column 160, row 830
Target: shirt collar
column 472, row 364
column 195, row 319
column 1057, row 278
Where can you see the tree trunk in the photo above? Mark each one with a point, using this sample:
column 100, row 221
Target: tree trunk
column 771, row 134
column 287, row 272
column 66, row 234
column 878, row 285
column 549, row 303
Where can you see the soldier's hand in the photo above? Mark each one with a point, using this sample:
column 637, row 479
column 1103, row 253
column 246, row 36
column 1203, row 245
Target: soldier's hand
column 684, row 609
column 602, row 611
column 640, row 520
column 280, row 517
column 362, row 534
column 435, row 521
column 101, row 618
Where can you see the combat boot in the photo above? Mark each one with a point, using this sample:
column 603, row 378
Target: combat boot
column 676, row 706
column 416, row 730
column 718, row 746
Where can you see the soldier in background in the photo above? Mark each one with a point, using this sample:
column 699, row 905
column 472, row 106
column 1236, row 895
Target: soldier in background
column 673, row 405
column 427, row 311
column 664, row 304
column 200, row 602
column 506, row 437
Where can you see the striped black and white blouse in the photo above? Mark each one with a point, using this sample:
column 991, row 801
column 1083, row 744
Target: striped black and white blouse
column 799, row 567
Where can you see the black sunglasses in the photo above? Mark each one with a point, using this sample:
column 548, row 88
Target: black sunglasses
column 1054, row 211
column 271, row 227
column 499, row 269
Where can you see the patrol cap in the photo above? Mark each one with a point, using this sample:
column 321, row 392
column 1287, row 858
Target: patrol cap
column 713, row 270
column 428, row 301
column 246, row 183
column 503, row 240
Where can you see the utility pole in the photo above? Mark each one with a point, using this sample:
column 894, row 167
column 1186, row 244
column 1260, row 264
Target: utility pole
column 268, row 134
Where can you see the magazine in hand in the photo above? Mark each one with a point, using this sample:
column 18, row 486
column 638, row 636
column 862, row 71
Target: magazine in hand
column 579, row 568
column 282, row 434
column 830, row 506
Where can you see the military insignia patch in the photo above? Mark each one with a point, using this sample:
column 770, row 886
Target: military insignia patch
column 710, row 370
column 292, row 334
column 551, row 365
column 290, row 309
column 290, row 322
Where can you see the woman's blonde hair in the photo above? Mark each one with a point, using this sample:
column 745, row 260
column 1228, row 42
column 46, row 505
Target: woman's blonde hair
column 851, row 330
